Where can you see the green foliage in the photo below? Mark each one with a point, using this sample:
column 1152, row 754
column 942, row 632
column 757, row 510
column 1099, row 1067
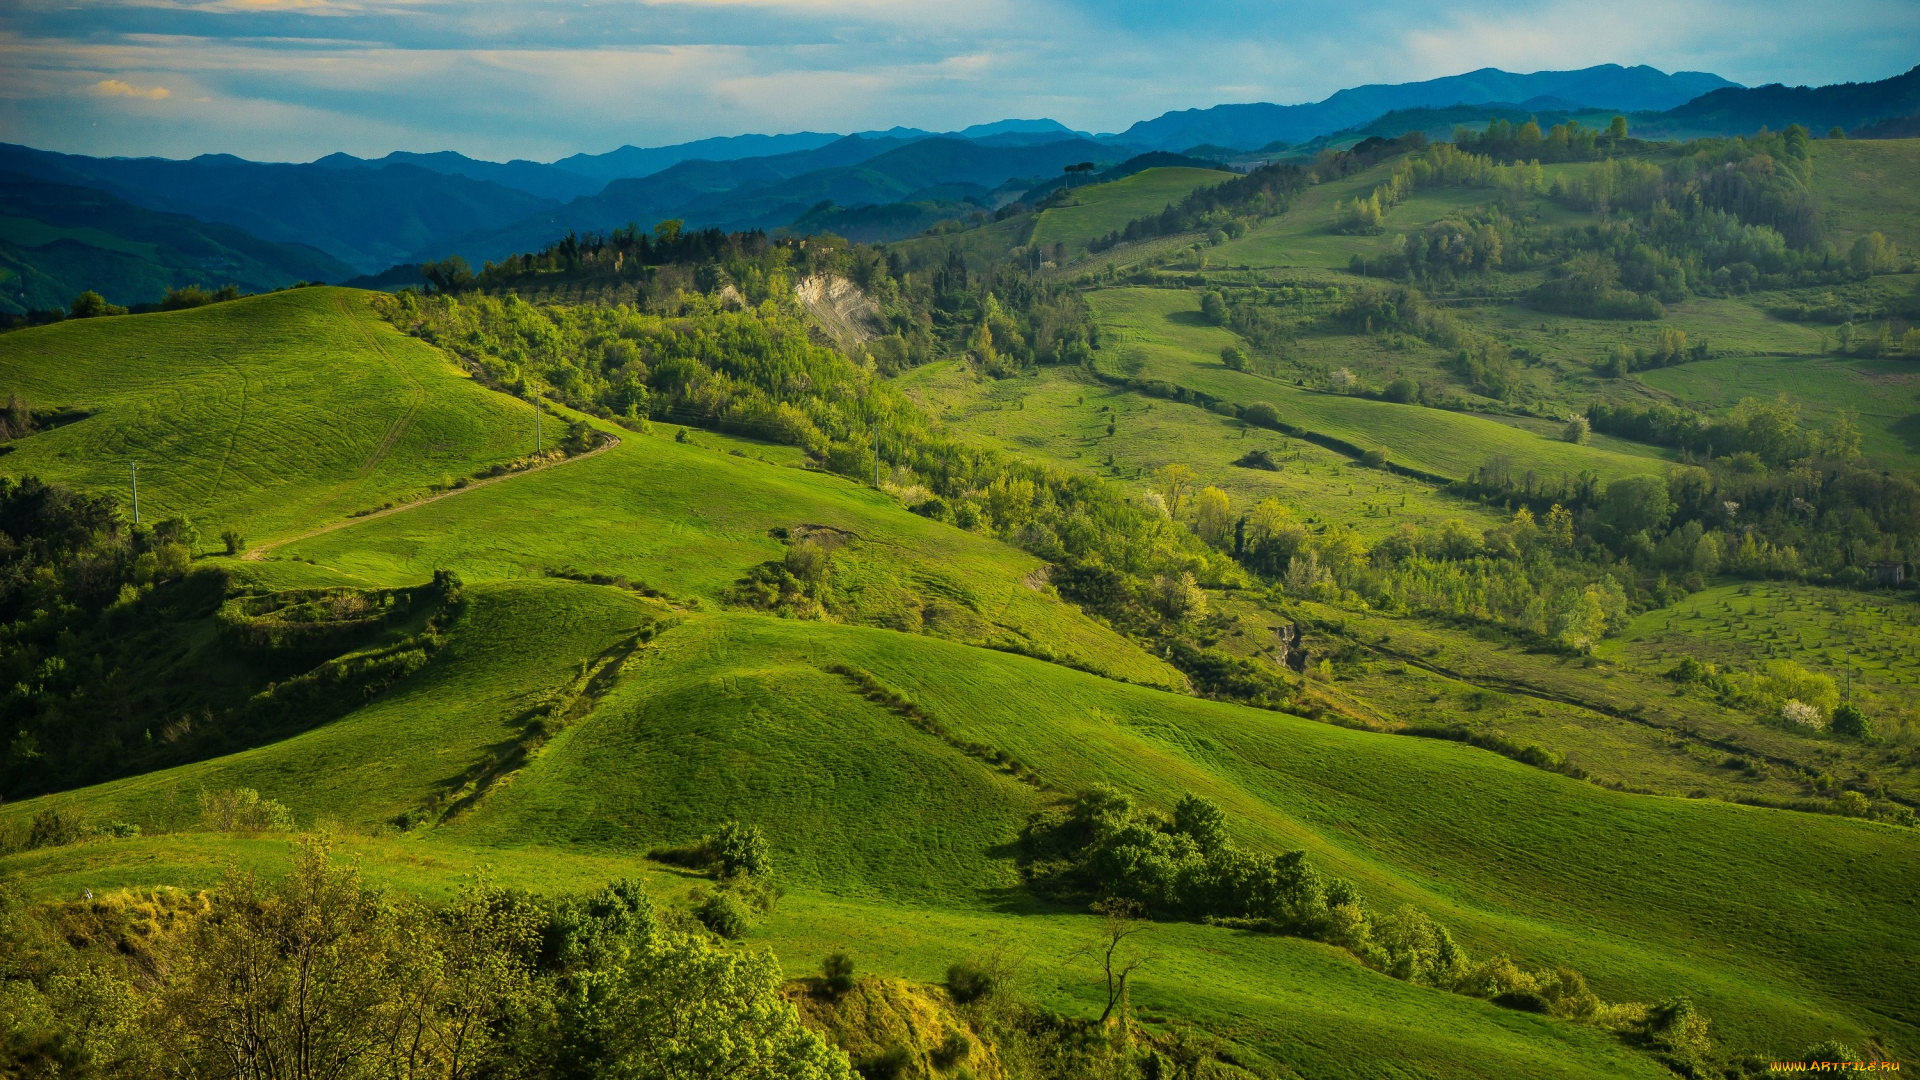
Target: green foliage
column 725, row 915
column 90, row 305
column 836, row 973
column 969, row 981
column 1849, row 720
column 193, row 296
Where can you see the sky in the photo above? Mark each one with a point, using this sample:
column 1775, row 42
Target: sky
column 292, row 80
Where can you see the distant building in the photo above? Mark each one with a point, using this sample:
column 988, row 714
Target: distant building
column 1888, row 573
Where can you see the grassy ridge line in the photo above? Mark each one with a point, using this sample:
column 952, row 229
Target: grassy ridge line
column 258, row 413
column 645, row 509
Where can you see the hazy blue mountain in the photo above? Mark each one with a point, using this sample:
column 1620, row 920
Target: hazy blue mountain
column 630, row 161
column 1846, row 105
column 367, row 218
column 532, row 177
column 58, row 240
column 1608, row 86
column 771, row 192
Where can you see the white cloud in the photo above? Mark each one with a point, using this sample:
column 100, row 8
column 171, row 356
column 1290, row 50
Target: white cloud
column 116, row 88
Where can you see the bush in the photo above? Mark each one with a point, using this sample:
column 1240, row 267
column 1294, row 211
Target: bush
column 235, row 542
column 968, row 982
column 1850, row 721
column 837, row 972
column 1261, row 414
column 1402, row 390
column 1375, row 458
column 724, row 915
column 952, row 1050
column 242, row 810
column 1236, row 358
column 741, row 850
column 55, row 827
column 90, row 304
column 1579, row 430
column 889, row 1064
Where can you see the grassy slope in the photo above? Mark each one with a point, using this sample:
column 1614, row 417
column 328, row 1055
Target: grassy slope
column 1867, row 186
column 1056, row 415
column 730, row 716
column 648, row 509
column 1816, row 627
column 276, row 412
column 1884, row 393
column 1158, row 334
column 1099, row 209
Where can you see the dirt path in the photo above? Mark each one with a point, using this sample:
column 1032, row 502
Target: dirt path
column 261, row 552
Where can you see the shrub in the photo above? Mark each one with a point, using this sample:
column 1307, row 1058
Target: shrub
column 968, row 982
column 235, row 542
column 837, row 972
column 952, row 1050
column 1235, row 357
column 1402, row 390
column 1261, row 414
column 91, row 305
column 54, row 827
column 1798, row 712
column 1375, row 458
column 889, row 1064
column 741, row 850
column 1850, row 721
column 724, row 915
column 242, row 810
column 1579, row 430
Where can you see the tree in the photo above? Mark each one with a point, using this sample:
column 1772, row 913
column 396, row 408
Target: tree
column 450, row 274
column 1120, row 919
column 1201, row 821
column 1848, row 720
column 1213, row 307
column 1871, row 254
column 1175, row 481
column 1212, row 515
column 1634, row 503
column 1402, row 390
column 1578, row 430
column 90, row 305
column 1617, row 129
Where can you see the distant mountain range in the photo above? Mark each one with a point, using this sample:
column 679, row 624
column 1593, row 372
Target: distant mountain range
column 1608, row 86
column 57, row 241
column 366, row 215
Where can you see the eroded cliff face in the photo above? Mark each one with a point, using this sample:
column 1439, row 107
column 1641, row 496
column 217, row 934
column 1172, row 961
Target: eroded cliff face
column 848, row 315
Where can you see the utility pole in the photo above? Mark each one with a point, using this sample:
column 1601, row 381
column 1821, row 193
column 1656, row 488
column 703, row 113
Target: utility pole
column 134, row 468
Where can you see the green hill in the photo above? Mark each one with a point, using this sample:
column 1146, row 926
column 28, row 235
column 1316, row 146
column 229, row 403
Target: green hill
column 274, row 414
column 1092, row 212
column 1865, row 186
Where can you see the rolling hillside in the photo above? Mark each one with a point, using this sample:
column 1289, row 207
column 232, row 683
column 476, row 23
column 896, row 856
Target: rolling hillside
column 271, row 414
column 1093, row 212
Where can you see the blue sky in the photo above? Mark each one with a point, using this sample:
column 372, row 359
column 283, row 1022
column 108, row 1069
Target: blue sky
column 291, row 80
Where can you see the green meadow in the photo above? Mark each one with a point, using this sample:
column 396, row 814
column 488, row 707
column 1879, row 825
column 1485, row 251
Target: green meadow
column 1094, row 211
column 609, row 682
column 1159, row 334
column 274, row 413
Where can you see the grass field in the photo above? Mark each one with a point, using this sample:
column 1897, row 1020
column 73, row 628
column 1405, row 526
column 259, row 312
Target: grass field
column 1061, row 416
column 1826, row 630
column 1158, row 334
column 1884, row 394
column 731, row 716
column 274, row 413
column 1867, row 186
column 1099, row 209
column 641, row 510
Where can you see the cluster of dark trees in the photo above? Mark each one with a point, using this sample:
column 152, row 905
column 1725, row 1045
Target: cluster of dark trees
column 1506, row 141
column 120, row 657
